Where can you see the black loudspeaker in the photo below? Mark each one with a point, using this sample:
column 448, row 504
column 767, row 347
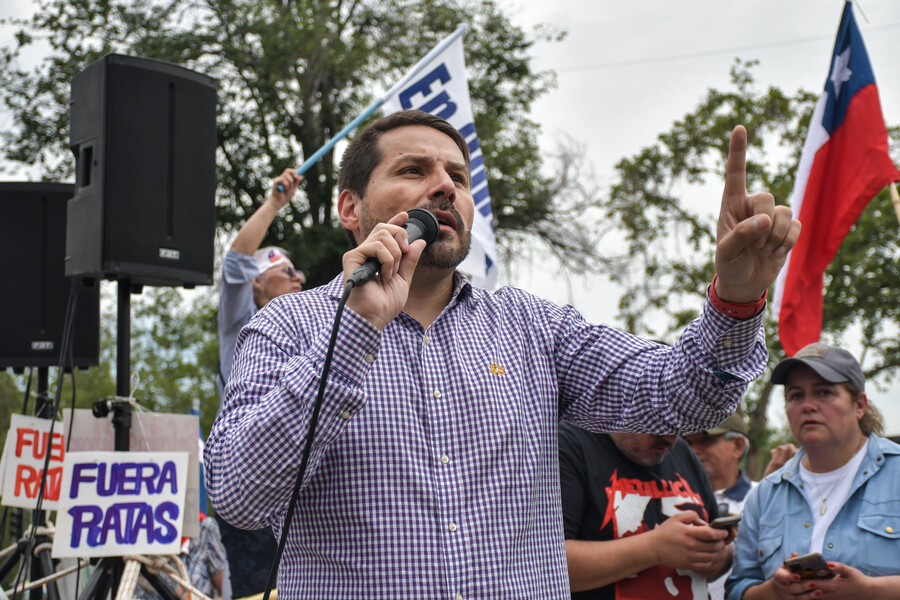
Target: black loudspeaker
column 36, row 290
column 144, row 136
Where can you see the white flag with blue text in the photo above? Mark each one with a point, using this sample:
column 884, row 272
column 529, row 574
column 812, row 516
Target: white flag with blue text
column 440, row 88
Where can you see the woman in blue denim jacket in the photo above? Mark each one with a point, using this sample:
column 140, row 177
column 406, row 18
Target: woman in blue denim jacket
column 839, row 496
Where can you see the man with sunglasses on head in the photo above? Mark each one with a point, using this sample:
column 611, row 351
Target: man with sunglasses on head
column 251, row 277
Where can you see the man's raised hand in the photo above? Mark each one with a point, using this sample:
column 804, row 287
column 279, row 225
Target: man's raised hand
column 754, row 235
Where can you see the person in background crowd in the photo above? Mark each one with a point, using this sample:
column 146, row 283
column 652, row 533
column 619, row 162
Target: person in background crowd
column 838, row 496
column 206, row 560
column 251, row 277
column 635, row 513
column 721, row 450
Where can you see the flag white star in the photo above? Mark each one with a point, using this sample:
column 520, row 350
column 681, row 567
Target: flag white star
column 840, row 72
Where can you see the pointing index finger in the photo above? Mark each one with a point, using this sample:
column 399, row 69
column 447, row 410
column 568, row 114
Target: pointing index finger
column 736, row 170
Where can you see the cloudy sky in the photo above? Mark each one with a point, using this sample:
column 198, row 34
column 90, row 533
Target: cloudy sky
column 627, row 70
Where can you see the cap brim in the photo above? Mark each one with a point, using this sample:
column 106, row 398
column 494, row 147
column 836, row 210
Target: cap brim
column 781, row 371
column 717, row 431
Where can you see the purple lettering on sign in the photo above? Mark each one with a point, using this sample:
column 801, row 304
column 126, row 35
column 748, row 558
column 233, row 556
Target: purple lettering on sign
column 80, row 474
column 126, row 522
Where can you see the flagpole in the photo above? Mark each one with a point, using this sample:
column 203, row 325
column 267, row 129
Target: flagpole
column 318, row 154
column 895, row 199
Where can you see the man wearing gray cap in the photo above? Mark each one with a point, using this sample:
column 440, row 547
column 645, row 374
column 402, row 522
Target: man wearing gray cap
column 721, row 450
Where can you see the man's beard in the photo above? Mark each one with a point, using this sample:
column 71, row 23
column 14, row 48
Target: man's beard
column 439, row 254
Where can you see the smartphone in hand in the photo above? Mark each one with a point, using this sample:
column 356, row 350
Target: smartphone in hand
column 809, row 566
column 725, row 522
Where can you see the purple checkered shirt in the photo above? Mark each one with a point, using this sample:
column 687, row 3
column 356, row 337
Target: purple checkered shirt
column 434, row 472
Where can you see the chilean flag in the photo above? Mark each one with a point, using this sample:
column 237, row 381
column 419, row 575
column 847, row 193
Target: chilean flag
column 844, row 163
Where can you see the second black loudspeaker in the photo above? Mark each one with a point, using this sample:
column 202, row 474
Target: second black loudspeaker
column 35, row 291
column 144, row 136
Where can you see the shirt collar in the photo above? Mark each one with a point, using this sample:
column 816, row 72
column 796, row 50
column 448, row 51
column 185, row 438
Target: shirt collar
column 740, row 488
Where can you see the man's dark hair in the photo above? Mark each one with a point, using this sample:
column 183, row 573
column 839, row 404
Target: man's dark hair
column 363, row 154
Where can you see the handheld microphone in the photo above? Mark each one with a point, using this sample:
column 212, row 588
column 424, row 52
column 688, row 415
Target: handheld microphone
column 422, row 225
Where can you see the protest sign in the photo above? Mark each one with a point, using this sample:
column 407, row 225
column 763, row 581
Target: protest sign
column 23, row 458
column 150, row 432
column 120, row 503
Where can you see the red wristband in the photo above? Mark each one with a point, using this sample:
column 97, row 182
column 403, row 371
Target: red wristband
column 733, row 309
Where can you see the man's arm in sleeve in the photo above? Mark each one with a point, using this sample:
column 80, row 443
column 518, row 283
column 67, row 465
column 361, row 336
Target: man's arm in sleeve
column 610, row 380
column 253, row 452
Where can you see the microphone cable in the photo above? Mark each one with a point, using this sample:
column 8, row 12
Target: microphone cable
column 307, row 445
column 425, row 226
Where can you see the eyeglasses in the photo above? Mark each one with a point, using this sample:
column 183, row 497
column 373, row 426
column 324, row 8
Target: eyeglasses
column 291, row 272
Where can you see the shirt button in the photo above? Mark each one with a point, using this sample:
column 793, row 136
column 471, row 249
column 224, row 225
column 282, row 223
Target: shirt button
column 370, row 357
column 452, row 527
column 458, row 596
column 830, row 546
column 426, row 340
column 445, row 459
column 346, row 415
column 727, row 342
column 806, row 524
column 760, row 552
column 889, row 529
column 437, row 393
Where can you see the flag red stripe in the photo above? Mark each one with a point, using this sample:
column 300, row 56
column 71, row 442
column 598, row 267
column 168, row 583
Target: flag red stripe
column 847, row 172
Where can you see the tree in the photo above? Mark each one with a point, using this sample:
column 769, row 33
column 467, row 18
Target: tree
column 670, row 242
column 291, row 75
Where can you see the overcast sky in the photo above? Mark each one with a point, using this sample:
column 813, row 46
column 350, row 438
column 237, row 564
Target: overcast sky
column 627, row 70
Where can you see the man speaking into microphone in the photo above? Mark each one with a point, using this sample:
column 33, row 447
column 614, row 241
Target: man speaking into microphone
column 433, row 472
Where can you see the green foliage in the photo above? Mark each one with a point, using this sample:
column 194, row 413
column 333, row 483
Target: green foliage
column 291, row 75
column 670, row 240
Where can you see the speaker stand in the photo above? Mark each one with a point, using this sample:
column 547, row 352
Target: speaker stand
column 108, row 574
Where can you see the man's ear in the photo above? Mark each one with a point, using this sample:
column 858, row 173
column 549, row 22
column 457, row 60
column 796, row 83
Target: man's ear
column 348, row 205
column 741, row 445
column 257, row 291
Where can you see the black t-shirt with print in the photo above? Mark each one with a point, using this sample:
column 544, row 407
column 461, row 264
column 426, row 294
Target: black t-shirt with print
column 606, row 496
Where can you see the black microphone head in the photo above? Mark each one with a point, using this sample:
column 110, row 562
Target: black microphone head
column 425, row 221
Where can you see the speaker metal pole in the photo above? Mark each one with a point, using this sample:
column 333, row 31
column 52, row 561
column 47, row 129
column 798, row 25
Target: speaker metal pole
column 123, row 347
column 121, row 409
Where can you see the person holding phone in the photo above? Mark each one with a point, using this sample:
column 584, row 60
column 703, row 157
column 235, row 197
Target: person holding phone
column 639, row 517
column 839, row 496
